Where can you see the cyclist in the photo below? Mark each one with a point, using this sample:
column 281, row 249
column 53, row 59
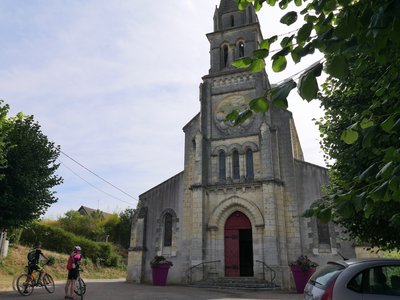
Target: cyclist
column 73, row 272
column 34, row 257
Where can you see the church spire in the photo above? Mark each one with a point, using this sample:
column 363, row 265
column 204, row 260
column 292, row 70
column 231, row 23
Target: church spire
column 228, row 15
column 227, row 6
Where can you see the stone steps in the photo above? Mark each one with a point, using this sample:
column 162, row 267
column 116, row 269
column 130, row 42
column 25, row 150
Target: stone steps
column 247, row 283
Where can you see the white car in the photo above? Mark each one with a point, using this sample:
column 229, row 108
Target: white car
column 355, row 279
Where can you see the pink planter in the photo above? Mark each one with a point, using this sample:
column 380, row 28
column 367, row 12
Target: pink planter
column 160, row 273
column 301, row 277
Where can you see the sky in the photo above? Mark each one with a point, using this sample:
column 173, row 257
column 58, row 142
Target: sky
column 113, row 83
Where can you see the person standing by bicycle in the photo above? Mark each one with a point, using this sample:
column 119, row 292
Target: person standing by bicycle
column 73, row 272
column 34, row 257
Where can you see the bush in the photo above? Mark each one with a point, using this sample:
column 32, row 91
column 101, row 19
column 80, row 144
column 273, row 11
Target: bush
column 59, row 240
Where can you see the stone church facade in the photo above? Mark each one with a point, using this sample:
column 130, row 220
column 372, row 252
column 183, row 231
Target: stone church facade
column 236, row 207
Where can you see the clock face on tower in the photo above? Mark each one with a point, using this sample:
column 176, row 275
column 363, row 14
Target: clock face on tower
column 225, row 107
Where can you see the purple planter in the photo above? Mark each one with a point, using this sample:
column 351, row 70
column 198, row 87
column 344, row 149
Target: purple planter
column 301, row 277
column 159, row 274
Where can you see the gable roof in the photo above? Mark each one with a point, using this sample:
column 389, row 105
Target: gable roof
column 87, row 211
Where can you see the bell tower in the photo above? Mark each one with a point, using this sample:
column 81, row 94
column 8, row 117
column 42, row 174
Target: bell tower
column 236, row 34
column 237, row 205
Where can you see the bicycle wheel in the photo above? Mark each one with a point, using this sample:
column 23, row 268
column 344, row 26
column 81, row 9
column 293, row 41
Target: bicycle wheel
column 80, row 288
column 83, row 286
column 24, row 285
column 48, row 283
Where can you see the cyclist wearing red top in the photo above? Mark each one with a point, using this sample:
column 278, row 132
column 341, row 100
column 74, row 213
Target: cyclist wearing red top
column 73, row 272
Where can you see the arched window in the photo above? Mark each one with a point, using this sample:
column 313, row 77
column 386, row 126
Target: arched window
column 222, row 166
column 323, row 233
column 235, row 165
column 249, row 164
column 241, row 49
column 232, row 21
column 167, row 230
column 225, row 56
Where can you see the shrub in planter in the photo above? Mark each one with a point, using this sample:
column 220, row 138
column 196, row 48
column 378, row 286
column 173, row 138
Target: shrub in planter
column 302, row 269
column 159, row 270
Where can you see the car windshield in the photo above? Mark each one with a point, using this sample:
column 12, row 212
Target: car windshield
column 324, row 275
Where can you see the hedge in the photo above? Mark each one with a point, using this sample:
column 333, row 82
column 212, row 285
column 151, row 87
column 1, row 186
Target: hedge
column 59, row 240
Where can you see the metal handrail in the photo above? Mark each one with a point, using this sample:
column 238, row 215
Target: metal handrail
column 272, row 271
column 189, row 271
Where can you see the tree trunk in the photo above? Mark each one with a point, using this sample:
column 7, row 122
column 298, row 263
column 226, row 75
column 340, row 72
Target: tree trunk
column 3, row 237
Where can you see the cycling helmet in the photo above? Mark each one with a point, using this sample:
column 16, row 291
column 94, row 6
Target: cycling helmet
column 77, row 248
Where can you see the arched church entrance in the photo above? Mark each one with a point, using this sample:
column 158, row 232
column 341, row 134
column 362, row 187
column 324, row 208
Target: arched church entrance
column 238, row 246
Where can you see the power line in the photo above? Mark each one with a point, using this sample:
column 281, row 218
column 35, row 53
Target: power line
column 282, row 34
column 294, row 76
column 76, row 174
column 98, row 176
column 294, row 44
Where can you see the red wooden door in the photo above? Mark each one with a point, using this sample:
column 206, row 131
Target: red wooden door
column 233, row 224
column 232, row 258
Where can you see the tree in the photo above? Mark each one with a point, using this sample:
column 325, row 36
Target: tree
column 124, row 228
column 29, row 174
column 90, row 227
column 3, row 115
column 363, row 196
column 115, row 228
column 354, row 36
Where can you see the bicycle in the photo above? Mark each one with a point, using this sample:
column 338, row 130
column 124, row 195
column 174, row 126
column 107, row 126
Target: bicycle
column 26, row 283
column 80, row 288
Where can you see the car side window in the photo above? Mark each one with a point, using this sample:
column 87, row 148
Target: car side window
column 394, row 277
column 384, row 280
column 355, row 284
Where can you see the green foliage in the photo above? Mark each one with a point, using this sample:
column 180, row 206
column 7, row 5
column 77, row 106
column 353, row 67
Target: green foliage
column 360, row 134
column 82, row 225
column 279, row 64
column 59, row 240
column 3, row 115
column 160, row 260
column 29, row 175
column 115, row 228
column 122, row 231
column 359, row 40
column 243, row 62
column 289, row 18
column 304, row 263
column 281, row 92
column 259, row 104
column 343, row 28
column 308, row 85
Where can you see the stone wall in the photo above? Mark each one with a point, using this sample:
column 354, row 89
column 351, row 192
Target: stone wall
column 147, row 230
column 311, row 181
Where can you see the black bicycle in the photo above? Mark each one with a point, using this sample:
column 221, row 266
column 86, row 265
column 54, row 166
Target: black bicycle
column 26, row 283
column 80, row 287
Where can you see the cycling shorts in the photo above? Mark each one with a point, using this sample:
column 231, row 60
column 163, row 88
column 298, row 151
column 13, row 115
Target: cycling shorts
column 32, row 268
column 73, row 274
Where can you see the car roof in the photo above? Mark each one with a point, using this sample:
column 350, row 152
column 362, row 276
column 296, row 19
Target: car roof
column 372, row 261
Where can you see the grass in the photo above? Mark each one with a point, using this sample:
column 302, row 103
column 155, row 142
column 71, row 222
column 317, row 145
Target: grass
column 14, row 264
column 391, row 254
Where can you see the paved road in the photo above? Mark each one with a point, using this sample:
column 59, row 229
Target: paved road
column 112, row 289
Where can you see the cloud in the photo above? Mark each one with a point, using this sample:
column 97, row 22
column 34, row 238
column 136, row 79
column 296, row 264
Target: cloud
column 113, row 83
